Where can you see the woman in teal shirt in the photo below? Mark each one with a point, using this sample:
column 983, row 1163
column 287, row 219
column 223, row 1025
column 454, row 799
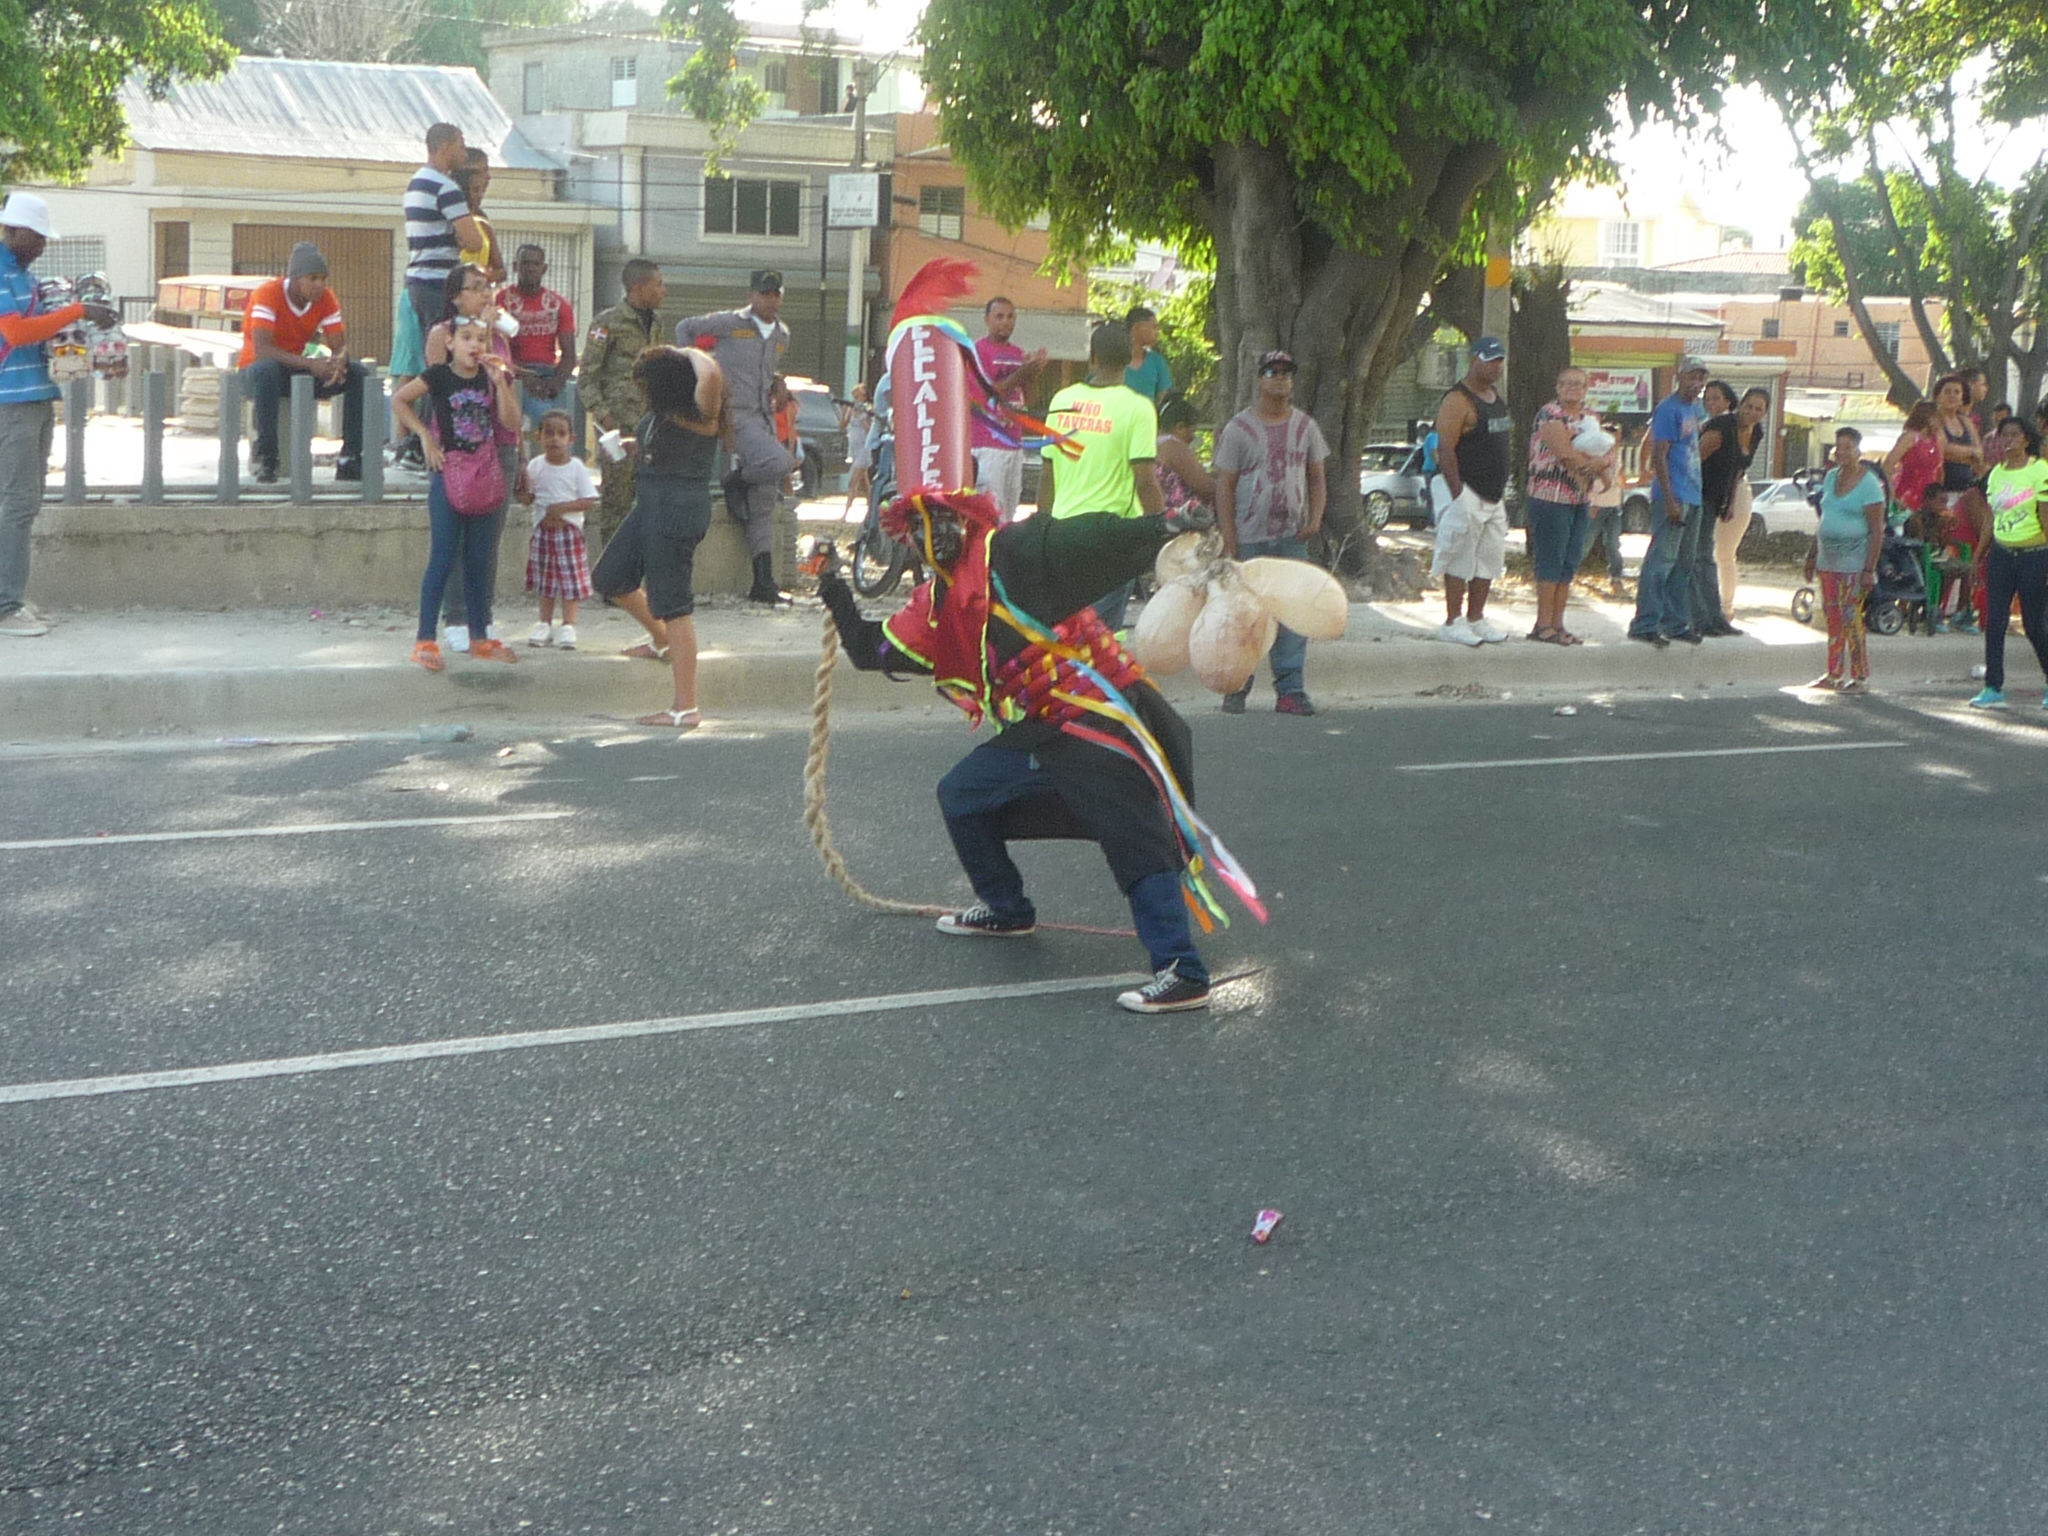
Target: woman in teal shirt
column 2016, row 565
column 1845, row 557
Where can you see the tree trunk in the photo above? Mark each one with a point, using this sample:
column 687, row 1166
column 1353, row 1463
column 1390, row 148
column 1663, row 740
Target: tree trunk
column 1345, row 313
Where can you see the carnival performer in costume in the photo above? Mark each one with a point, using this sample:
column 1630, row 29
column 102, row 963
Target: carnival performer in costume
column 1087, row 747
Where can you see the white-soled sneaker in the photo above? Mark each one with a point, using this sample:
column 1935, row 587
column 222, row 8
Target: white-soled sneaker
column 1168, row 992
column 543, row 634
column 981, row 921
column 1457, row 632
column 565, row 637
column 456, row 639
column 1488, row 632
column 23, row 625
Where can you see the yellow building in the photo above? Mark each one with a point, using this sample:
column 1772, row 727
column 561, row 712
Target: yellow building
column 1618, row 228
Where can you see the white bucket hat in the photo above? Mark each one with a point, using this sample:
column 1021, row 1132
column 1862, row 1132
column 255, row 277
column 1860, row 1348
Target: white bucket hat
column 25, row 210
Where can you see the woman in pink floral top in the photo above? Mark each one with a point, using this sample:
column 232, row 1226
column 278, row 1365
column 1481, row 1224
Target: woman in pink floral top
column 1560, row 486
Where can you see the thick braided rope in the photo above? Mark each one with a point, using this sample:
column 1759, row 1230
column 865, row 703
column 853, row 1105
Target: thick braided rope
column 815, row 818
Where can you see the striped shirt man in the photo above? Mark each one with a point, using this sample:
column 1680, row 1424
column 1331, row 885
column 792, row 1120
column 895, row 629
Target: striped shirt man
column 433, row 202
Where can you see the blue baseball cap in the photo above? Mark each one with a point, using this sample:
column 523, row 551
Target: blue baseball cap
column 1488, row 349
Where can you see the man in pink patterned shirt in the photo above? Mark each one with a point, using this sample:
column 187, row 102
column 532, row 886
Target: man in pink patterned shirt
column 999, row 465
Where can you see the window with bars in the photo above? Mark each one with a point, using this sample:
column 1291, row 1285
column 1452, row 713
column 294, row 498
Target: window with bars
column 942, row 211
column 1841, row 328
column 1771, row 329
column 775, row 77
column 1621, row 243
column 73, row 257
column 1888, row 337
column 626, row 82
column 759, row 206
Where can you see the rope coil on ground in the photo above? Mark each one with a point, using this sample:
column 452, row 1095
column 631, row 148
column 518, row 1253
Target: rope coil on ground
column 815, row 817
column 818, row 759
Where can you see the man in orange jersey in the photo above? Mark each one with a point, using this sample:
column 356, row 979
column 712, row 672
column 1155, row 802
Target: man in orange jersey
column 281, row 320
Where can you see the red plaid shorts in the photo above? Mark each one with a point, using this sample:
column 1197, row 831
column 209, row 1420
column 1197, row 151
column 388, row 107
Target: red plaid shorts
column 557, row 564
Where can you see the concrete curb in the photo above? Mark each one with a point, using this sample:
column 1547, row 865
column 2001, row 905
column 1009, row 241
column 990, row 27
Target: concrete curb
column 377, row 689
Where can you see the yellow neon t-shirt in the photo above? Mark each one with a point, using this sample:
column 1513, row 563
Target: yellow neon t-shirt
column 1116, row 428
column 2015, row 495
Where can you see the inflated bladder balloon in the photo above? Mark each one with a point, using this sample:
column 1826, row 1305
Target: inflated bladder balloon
column 1229, row 637
column 1160, row 639
column 1179, row 556
column 1306, row 598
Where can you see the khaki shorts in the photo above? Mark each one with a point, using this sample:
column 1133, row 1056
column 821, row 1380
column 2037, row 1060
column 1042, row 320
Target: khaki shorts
column 1471, row 535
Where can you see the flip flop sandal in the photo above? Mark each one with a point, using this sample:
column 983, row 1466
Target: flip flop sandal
column 1565, row 637
column 646, row 651
column 675, row 719
column 1543, row 635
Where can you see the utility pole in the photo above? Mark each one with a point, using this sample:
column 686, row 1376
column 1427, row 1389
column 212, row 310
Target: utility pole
column 857, row 239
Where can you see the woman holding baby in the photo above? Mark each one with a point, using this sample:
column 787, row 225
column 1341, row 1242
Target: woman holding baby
column 1568, row 453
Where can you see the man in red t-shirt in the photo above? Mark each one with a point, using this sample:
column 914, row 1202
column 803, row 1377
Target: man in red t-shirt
column 544, row 351
column 281, row 320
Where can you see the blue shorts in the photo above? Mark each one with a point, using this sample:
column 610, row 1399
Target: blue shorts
column 1557, row 538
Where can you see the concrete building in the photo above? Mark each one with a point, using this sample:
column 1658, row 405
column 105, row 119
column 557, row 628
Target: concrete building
column 1611, row 231
column 934, row 215
column 223, row 176
column 596, row 97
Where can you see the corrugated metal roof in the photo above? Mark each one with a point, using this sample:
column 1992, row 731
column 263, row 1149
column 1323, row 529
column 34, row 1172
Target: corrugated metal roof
column 1603, row 304
column 324, row 110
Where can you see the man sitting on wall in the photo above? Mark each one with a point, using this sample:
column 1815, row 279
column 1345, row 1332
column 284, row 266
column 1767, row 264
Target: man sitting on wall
column 281, row 320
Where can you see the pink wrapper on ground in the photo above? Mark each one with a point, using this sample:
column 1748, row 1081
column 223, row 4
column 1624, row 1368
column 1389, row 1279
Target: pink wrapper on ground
column 1263, row 1227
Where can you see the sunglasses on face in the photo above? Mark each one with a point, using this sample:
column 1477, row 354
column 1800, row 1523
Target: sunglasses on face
column 1275, row 373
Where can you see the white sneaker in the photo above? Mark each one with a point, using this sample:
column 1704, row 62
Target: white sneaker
column 1489, row 632
column 565, row 637
column 1458, row 632
column 457, row 638
column 542, row 634
column 22, row 625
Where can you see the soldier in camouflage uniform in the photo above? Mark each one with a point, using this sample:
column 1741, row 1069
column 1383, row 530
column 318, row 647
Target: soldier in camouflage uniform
column 748, row 345
column 617, row 338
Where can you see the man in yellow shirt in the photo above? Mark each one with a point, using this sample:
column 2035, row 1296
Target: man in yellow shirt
column 1118, row 431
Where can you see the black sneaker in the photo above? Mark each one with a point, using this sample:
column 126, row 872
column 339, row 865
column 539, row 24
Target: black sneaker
column 1293, row 704
column 982, row 921
column 347, row 470
column 1689, row 637
column 1168, row 992
column 266, row 471
column 1657, row 640
column 1233, row 703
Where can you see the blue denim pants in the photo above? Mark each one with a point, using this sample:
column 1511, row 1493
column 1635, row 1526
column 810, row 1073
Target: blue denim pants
column 993, row 779
column 449, row 542
column 1290, row 651
column 1664, row 586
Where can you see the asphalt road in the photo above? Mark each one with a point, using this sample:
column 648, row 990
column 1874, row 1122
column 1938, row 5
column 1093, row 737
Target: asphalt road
column 1659, row 1143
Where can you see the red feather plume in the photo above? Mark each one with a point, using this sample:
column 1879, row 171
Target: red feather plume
column 937, row 284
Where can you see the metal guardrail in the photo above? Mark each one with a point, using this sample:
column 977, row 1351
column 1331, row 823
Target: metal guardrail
column 152, row 393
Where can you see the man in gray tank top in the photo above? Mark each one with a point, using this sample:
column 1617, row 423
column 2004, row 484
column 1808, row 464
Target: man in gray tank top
column 1472, row 427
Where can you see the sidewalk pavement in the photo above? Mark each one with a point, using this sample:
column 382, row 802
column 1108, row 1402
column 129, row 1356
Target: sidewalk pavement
column 239, row 674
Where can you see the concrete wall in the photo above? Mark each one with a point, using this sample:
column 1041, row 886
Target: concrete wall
column 269, row 555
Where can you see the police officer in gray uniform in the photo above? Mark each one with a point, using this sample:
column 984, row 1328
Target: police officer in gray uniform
column 748, row 344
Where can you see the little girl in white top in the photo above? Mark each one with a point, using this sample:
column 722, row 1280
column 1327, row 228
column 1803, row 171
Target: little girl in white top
column 560, row 490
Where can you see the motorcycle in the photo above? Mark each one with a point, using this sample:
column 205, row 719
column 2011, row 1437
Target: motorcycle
column 876, row 562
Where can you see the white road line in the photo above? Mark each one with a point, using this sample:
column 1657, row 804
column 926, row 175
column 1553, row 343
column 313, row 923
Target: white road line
column 307, row 829
column 585, row 1034
column 1646, row 757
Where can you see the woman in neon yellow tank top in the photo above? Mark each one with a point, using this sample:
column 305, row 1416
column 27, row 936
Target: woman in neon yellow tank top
column 2016, row 565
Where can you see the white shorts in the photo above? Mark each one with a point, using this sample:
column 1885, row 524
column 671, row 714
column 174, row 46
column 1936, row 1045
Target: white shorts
column 999, row 472
column 1471, row 535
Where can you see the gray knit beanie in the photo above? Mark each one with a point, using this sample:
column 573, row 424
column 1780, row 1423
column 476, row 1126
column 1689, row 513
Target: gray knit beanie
column 306, row 261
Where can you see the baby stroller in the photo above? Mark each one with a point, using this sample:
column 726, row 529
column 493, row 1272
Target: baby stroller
column 1899, row 598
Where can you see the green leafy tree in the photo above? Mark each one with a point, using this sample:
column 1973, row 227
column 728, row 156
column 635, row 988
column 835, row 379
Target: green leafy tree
column 62, row 66
column 1329, row 160
column 1915, row 224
